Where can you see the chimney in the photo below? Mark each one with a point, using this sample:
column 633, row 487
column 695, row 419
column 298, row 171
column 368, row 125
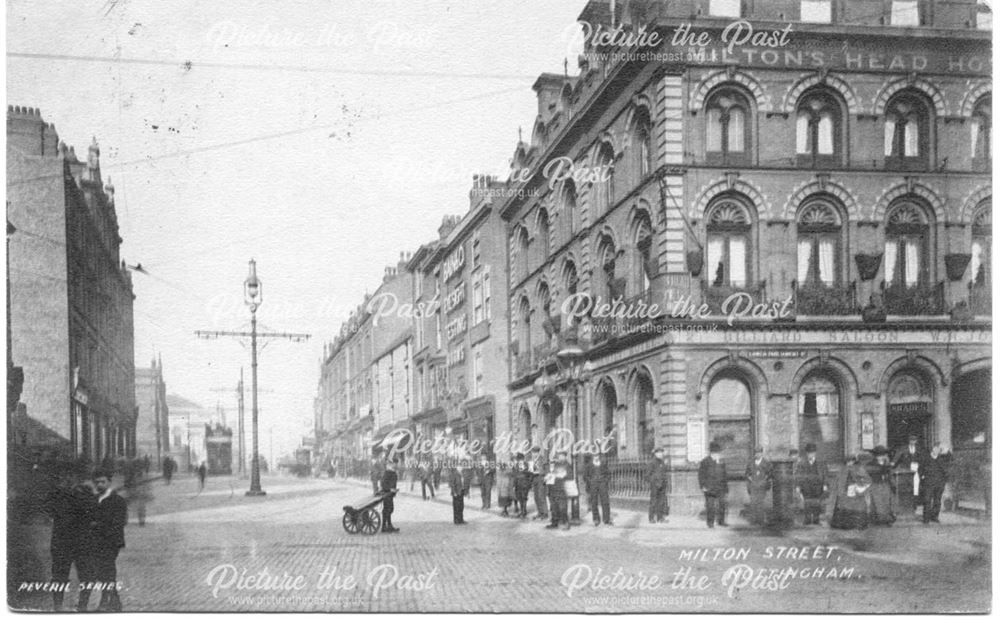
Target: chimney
column 481, row 185
column 448, row 224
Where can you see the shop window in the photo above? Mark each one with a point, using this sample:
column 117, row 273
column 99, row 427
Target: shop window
column 818, row 129
column 728, row 251
column 907, row 128
column 727, row 127
column 724, row 8
column 731, row 419
column 820, row 417
column 815, row 11
column 906, row 246
column 819, row 232
column 905, row 13
column 981, row 125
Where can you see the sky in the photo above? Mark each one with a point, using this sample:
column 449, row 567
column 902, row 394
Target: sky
column 321, row 138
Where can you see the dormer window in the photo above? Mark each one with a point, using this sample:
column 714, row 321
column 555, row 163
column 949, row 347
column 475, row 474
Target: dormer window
column 815, row 11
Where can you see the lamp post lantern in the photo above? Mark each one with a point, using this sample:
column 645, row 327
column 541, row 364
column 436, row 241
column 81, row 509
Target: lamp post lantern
column 252, row 297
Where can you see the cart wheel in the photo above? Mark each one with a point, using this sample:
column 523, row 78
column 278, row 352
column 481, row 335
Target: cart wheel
column 350, row 523
column 371, row 521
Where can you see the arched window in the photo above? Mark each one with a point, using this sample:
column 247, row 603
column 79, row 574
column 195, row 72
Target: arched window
column 521, row 248
column 572, row 285
column 906, row 246
column 728, row 251
column 731, row 419
column 604, row 172
column 982, row 133
column 644, row 262
column 907, row 131
column 568, row 208
column 645, row 414
column 821, row 417
column 545, row 304
column 543, row 233
column 818, row 129
column 980, row 296
column 642, row 145
column 819, row 228
column 524, row 420
column 524, row 327
column 611, row 285
column 727, row 126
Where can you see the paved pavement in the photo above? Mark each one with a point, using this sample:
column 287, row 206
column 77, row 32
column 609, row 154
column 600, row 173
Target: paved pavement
column 217, row 550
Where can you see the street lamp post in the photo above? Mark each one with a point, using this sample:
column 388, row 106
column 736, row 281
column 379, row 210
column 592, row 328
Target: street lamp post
column 252, row 297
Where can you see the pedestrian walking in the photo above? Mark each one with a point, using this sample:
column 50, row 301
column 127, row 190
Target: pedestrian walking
column 437, row 468
column 555, row 482
column 70, row 505
column 505, row 488
column 456, row 483
column 202, row 474
column 850, row 507
column 714, row 485
column 169, row 466
column 657, row 476
column 933, row 477
column 810, row 483
column 485, row 474
column 375, row 474
column 523, row 482
column 138, row 494
column 109, row 517
column 387, row 483
column 882, row 489
column 426, row 479
column 759, row 477
column 597, row 477
column 536, row 466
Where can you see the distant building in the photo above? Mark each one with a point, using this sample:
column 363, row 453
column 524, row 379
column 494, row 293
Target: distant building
column 152, row 433
column 187, row 422
column 70, row 297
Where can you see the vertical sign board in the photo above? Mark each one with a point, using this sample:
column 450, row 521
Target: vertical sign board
column 695, row 440
column 867, row 430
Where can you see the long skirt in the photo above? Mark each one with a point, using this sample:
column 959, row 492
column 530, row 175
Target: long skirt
column 882, row 511
column 850, row 513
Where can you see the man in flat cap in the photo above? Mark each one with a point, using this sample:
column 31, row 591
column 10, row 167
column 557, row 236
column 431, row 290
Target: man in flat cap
column 712, row 479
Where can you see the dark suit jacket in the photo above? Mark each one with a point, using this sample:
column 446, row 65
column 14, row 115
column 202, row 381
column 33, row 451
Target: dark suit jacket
column 71, row 511
column 759, row 475
column 656, row 473
column 597, row 478
column 934, row 472
column 388, row 480
column 712, row 477
column 110, row 517
column 904, row 458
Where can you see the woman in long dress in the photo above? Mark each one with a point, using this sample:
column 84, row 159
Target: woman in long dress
column 882, row 511
column 850, row 510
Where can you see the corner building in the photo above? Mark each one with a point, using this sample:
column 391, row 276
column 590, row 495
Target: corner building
column 831, row 190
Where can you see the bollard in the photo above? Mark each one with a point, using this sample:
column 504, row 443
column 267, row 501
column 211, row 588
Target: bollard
column 782, row 491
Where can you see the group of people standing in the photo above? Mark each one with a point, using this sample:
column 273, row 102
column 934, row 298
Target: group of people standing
column 866, row 491
column 88, row 532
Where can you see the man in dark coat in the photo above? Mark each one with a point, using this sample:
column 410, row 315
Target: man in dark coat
column 375, row 474
column 71, row 506
column 485, row 473
column 810, row 482
column 523, row 479
column 933, row 476
column 388, row 484
column 598, row 479
column 555, row 481
column 168, row 468
column 108, row 529
column 457, row 485
column 759, row 477
column 657, row 476
column 714, row 485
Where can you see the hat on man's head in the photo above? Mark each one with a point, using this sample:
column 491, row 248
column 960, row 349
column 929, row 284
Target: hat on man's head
column 714, row 447
column 880, row 451
column 810, row 448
